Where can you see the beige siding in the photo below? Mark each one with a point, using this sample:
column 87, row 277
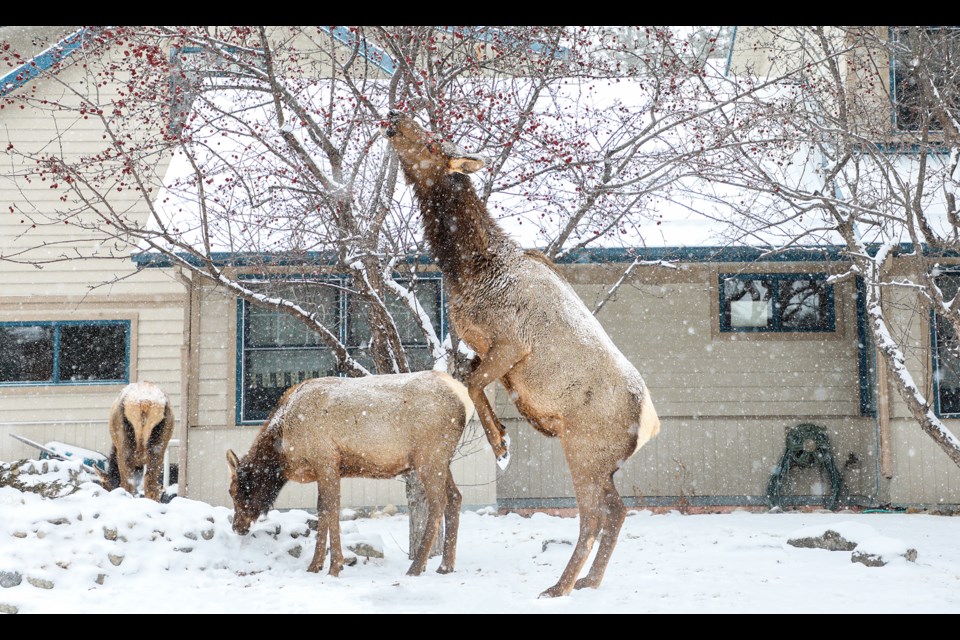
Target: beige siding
column 208, row 478
column 76, row 414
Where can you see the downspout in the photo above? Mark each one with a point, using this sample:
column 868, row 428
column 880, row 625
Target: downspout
column 186, row 367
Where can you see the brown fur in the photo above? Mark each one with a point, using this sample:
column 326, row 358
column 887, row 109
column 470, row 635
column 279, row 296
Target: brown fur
column 141, row 424
column 326, row 429
column 532, row 333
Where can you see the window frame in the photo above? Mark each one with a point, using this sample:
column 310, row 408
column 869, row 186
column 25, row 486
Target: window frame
column 343, row 308
column 776, row 279
column 57, row 326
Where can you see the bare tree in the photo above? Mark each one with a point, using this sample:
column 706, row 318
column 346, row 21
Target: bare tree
column 256, row 154
column 856, row 145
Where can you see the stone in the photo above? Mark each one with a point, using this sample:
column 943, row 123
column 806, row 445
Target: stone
column 40, row 583
column 390, row 510
column 365, row 549
column 110, row 533
column 19, row 534
column 547, row 543
column 8, row 608
column 100, row 578
column 830, row 540
column 190, row 535
column 183, row 549
column 10, row 579
column 59, row 521
column 115, row 559
column 877, row 560
column 295, row 550
column 207, row 534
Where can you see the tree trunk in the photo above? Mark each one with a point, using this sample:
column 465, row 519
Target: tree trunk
column 417, row 506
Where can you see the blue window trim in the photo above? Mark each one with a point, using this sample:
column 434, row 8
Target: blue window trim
column 242, row 306
column 56, row 325
column 776, row 278
column 45, row 60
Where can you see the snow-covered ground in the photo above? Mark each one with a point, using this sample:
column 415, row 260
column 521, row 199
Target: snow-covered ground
column 98, row 552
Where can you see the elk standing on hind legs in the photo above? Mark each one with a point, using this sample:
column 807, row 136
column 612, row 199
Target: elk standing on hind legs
column 531, row 332
column 141, row 424
column 380, row 426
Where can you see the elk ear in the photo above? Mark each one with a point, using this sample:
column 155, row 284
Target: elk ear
column 232, row 462
column 465, row 165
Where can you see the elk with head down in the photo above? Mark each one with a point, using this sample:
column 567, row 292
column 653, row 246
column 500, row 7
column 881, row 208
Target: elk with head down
column 141, row 424
column 325, row 429
column 532, row 332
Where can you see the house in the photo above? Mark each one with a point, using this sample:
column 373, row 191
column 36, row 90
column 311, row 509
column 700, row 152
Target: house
column 738, row 346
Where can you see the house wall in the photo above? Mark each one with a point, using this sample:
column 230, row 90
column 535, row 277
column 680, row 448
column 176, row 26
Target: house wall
column 214, row 428
column 725, row 400
column 72, row 272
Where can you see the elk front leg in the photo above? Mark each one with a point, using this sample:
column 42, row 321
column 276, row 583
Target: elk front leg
column 328, row 509
column 494, row 364
column 451, row 525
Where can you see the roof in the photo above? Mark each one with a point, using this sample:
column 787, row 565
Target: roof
column 43, row 61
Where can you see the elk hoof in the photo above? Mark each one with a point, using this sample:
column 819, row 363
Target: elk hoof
column 586, row 583
column 415, row 571
column 554, row 592
column 315, row 568
column 444, row 569
column 503, row 459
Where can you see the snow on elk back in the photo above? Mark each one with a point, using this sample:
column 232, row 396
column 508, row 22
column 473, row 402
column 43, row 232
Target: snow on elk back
column 533, row 333
column 141, row 424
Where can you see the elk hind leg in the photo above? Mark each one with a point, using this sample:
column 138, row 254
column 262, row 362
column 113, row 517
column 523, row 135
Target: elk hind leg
column 328, row 509
column 589, row 495
column 320, row 551
column 451, row 525
column 614, row 513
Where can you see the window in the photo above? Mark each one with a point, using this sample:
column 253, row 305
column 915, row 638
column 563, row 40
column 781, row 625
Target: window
column 930, row 51
column 192, row 66
column 276, row 350
column 64, row 352
column 946, row 354
column 776, row 303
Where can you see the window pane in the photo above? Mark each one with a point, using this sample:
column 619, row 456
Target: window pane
column 26, row 354
column 93, row 352
column 272, row 328
column 948, row 353
column 411, row 333
column 268, row 373
column 748, row 303
column 927, row 53
column 803, row 305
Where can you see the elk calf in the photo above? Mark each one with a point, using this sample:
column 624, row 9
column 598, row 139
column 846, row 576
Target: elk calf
column 141, row 424
column 326, row 429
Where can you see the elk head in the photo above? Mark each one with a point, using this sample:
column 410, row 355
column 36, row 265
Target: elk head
column 426, row 161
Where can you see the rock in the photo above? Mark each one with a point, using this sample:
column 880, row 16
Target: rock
column 295, row 550
column 109, row 533
column 345, row 514
column 390, row 510
column 100, row 578
column 63, row 564
column 19, row 534
column 40, row 583
column 367, row 546
column 183, row 549
column 547, row 543
column 115, row 559
column 880, row 560
column 190, row 535
column 41, row 534
column 349, row 561
column 8, row 608
column 10, row 579
column 207, row 534
column 830, row 540
column 59, row 521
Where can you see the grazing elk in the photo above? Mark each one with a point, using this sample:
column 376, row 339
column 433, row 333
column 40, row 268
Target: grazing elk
column 325, row 429
column 531, row 332
column 141, row 424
